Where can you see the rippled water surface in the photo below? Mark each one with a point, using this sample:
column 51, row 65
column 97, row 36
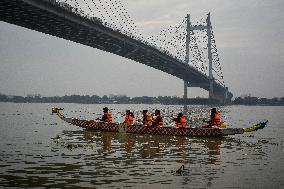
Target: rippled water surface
column 40, row 150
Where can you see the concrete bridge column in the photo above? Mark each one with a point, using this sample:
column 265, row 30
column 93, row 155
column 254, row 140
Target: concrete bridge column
column 187, row 51
column 211, row 89
column 185, row 90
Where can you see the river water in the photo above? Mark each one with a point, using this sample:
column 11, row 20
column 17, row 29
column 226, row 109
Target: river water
column 39, row 150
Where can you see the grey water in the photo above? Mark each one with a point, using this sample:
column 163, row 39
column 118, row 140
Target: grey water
column 39, row 150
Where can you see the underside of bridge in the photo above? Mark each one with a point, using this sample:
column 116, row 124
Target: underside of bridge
column 48, row 18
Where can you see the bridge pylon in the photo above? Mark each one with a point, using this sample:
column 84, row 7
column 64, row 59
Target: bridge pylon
column 190, row 28
column 187, row 51
column 208, row 27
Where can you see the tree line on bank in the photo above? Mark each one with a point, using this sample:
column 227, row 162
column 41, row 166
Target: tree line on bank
column 123, row 99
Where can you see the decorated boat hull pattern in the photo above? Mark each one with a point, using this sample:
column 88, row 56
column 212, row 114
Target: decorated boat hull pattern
column 140, row 129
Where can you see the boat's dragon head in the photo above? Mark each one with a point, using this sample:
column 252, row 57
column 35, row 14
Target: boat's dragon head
column 55, row 110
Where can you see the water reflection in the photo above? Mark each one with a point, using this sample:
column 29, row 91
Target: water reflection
column 153, row 151
column 166, row 154
column 150, row 146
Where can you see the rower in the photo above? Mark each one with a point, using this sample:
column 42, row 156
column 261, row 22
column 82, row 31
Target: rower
column 157, row 120
column 180, row 121
column 107, row 116
column 215, row 118
column 129, row 118
column 147, row 118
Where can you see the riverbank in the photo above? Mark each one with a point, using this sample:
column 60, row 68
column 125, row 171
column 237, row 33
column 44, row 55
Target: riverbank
column 123, row 99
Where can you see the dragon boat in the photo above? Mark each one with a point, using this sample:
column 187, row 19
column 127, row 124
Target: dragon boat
column 140, row 129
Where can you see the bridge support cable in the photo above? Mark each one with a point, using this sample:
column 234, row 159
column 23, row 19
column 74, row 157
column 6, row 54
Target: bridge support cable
column 125, row 27
column 130, row 22
column 216, row 61
column 179, row 45
column 99, row 11
column 109, row 13
column 125, row 17
column 67, row 4
column 110, row 23
column 171, row 41
column 197, row 58
column 129, row 29
column 116, row 15
column 86, row 3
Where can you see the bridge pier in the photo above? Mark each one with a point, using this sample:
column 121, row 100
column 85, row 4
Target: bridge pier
column 185, row 90
column 211, row 89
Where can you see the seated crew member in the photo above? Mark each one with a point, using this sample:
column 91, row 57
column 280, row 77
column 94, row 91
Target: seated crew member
column 129, row 118
column 215, row 118
column 147, row 118
column 157, row 121
column 107, row 116
column 132, row 115
column 180, row 121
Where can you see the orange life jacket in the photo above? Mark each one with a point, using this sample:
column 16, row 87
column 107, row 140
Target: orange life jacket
column 216, row 120
column 109, row 117
column 128, row 119
column 182, row 122
column 160, row 123
column 147, row 120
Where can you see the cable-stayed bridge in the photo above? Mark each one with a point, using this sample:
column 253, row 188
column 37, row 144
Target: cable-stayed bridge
column 184, row 50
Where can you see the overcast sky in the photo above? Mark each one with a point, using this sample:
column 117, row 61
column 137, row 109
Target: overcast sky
column 249, row 37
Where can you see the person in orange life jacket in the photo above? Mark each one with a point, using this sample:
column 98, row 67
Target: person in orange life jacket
column 215, row 118
column 129, row 118
column 157, row 120
column 146, row 119
column 131, row 114
column 180, row 121
column 107, row 116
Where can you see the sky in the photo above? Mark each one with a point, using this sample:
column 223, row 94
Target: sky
column 248, row 33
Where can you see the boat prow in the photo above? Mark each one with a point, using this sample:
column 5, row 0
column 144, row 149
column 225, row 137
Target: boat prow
column 257, row 126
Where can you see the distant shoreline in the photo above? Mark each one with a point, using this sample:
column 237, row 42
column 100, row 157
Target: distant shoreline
column 228, row 104
column 123, row 99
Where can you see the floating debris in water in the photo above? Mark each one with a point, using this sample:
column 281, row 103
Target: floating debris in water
column 180, row 171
